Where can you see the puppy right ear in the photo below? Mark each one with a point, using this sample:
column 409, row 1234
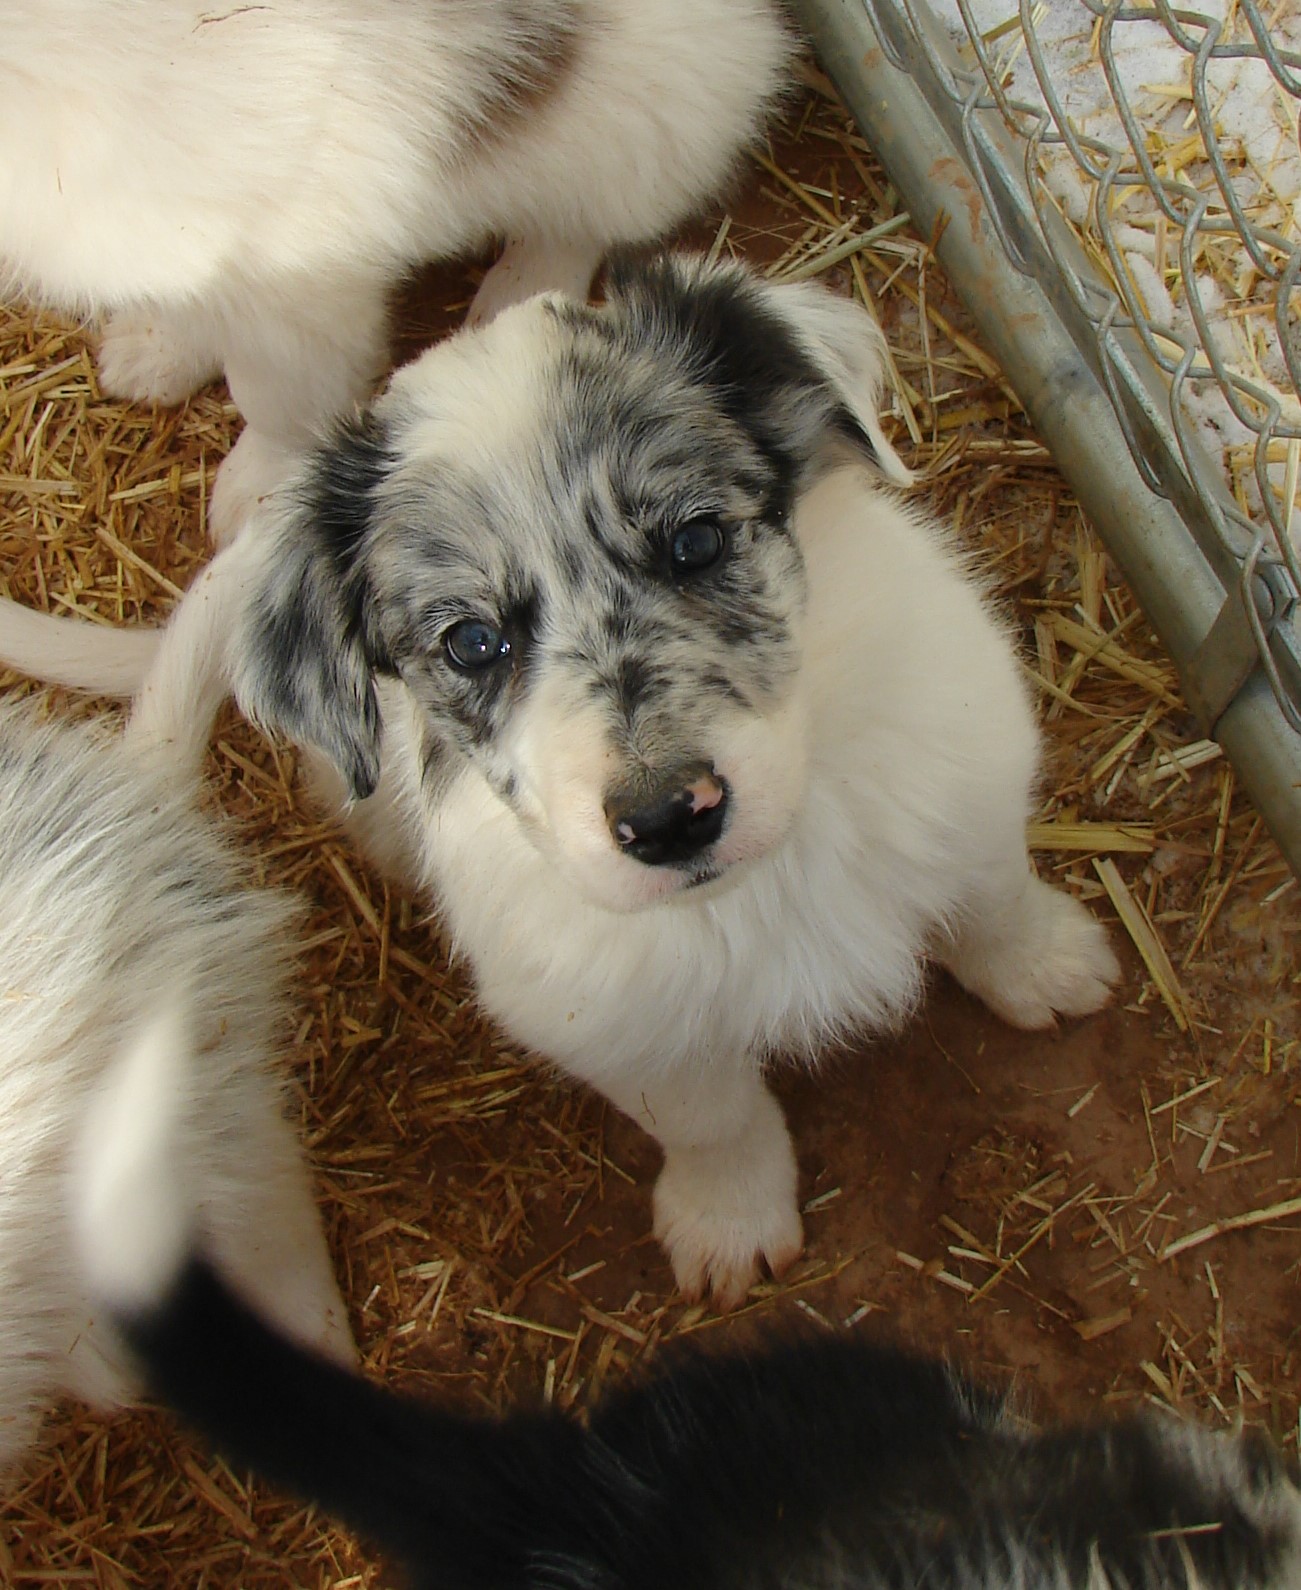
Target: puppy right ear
column 307, row 649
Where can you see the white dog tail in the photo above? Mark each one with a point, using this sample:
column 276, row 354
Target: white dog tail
column 74, row 652
column 178, row 676
column 130, row 1199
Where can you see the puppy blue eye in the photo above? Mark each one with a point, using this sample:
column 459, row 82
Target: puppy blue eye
column 696, row 546
column 473, row 645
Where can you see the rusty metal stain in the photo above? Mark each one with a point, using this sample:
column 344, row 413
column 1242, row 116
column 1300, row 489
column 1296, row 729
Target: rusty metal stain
column 950, row 171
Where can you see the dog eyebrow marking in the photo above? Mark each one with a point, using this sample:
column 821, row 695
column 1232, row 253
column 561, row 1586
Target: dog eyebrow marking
column 521, row 618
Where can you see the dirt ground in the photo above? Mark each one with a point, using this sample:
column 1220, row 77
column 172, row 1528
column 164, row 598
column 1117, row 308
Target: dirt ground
column 1008, row 1198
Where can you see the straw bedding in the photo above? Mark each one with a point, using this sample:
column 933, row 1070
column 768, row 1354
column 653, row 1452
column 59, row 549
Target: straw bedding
column 1109, row 1212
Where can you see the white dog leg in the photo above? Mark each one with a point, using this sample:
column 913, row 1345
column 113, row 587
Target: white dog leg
column 527, row 267
column 255, row 466
column 152, row 356
column 267, row 1238
column 1031, row 952
column 292, row 368
column 188, row 678
column 725, row 1201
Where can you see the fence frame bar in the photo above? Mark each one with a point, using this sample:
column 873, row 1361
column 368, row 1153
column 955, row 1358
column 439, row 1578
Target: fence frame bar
column 1024, row 323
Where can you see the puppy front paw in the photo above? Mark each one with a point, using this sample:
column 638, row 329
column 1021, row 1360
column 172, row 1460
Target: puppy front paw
column 1078, row 969
column 723, row 1216
column 1057, row 962
column 145, row 359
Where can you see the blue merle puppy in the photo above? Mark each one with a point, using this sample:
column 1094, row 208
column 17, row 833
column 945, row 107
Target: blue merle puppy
column 616, row 638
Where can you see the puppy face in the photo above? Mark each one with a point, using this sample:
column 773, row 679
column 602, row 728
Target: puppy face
column 570, row 535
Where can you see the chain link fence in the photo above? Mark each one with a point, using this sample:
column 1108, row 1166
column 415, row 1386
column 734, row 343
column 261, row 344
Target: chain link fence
column 1116, row 193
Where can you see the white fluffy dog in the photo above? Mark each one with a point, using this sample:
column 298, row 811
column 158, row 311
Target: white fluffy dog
column 239, row 187
column 701, row 740
column 117, row 899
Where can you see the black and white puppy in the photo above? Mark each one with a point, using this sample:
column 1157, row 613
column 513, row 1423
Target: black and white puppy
column 239, row 188
column 115, row 896
column 628, row 653
column 823, row 1463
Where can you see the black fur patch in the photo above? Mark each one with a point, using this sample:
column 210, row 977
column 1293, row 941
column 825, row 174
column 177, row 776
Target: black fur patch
column 304, row 669
column 312, row 643
column 340, row 506
column 823, row 1462
column 747, row 353
column 340, row 495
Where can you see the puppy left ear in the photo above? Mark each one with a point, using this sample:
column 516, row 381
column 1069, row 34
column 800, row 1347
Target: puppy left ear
column 307, row 650
column 792, row 362
column 848, row 348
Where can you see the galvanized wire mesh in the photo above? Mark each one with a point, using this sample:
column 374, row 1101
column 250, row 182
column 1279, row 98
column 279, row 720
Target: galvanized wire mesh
column 1171, row 247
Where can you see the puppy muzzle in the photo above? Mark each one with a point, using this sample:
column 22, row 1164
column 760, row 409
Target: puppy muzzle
column 670, row 820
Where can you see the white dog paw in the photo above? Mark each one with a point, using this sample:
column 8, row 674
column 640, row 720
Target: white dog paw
column 145, row 359
column 720, row 1230
column 1058, row 962
column 252, row 470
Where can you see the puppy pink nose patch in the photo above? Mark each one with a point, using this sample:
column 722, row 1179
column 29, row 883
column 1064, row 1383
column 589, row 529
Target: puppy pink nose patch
column 703, row 793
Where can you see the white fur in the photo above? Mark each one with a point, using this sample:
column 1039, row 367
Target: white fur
column 126, row 933
column 239, row 188
column 881, row 795
column 130, row 1210
column 67, row 651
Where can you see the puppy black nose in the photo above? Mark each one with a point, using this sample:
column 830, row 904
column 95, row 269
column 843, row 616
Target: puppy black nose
column 669, row 824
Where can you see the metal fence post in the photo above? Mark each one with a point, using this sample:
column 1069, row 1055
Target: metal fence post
column 1187, row 585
